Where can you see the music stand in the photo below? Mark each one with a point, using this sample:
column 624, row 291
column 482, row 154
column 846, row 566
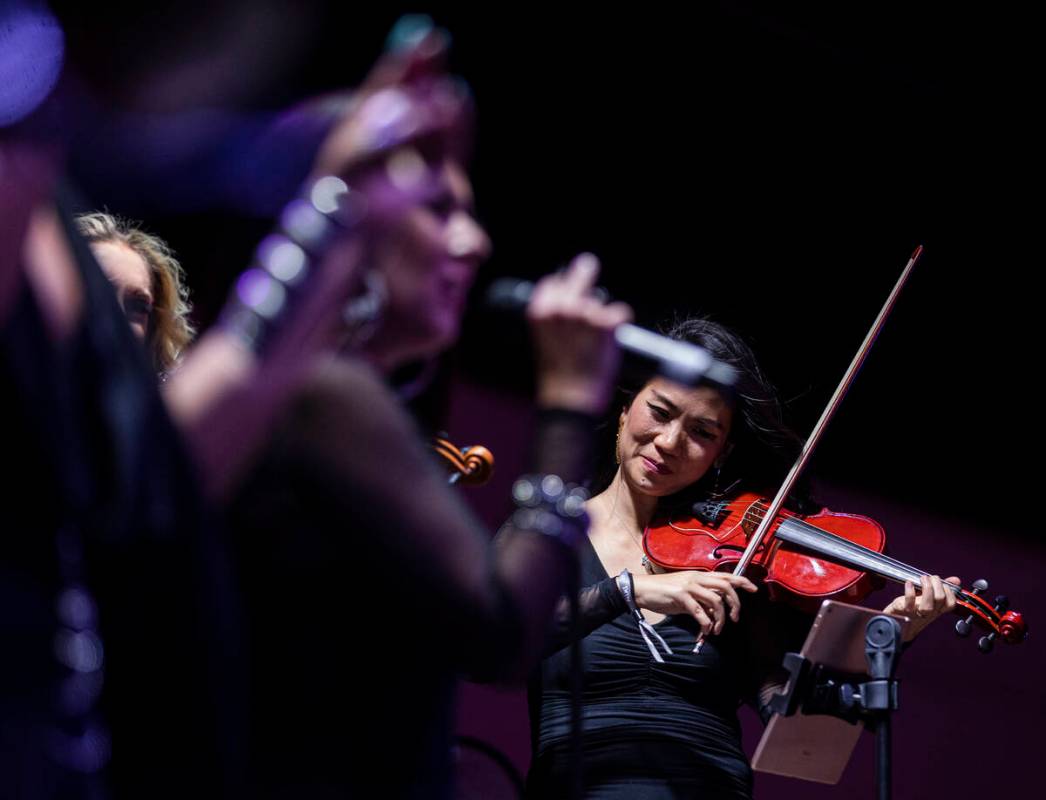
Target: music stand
column 842, row 677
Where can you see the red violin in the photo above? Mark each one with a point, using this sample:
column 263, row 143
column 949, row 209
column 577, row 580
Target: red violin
column 808, row 559
column 814, row 558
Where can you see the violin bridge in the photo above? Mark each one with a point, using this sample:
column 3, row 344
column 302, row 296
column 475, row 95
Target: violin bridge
column 711, row 512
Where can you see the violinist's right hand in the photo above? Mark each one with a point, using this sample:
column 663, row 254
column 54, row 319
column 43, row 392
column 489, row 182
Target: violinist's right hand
column 573, row 331
column 709, row 597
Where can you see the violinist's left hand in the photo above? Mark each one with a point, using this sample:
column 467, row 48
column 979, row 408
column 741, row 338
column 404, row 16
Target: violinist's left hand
column 923, row 608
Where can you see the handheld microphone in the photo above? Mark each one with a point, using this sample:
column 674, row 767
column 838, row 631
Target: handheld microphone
column 646, row 352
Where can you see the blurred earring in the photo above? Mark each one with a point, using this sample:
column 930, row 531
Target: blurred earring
column 716, row 491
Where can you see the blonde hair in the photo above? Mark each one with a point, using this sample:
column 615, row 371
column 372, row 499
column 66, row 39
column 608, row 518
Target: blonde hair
column 170, row 329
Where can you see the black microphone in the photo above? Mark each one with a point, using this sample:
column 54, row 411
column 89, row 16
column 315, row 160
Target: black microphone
column 647, row 353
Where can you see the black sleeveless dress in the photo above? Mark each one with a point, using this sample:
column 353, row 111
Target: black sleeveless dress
column 651, row 730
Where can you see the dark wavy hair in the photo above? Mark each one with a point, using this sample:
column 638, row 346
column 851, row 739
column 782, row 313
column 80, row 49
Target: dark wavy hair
column 763, row 446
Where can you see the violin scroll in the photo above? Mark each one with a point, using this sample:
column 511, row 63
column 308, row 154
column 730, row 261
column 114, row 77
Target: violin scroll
column 479, row 465
column 1000, row 621
column 1013, row 628
column 469, row 466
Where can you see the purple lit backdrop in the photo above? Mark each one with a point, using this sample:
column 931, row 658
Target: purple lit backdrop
column 968, row 723
column 773, row 166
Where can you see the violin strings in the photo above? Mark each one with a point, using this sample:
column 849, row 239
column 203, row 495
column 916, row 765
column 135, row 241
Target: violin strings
column 845, row 545
column 759, row 513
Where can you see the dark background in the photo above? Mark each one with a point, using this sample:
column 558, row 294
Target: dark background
column 771, row 168
column 774, row 168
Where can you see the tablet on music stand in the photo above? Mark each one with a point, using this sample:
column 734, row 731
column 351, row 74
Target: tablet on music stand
column 818, row 747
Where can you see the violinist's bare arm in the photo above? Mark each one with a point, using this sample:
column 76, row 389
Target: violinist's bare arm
column 932, row 600
column 709, row 597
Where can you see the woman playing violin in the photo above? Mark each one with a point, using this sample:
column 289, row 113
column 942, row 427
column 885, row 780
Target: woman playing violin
column 659, row 719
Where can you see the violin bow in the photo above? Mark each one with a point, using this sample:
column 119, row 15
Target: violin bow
column 826, row 417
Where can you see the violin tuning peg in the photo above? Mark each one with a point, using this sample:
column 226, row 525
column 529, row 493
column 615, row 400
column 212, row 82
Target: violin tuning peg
column 1002, row 602
column 979, row 585
column 964, row 626
column 986, row 643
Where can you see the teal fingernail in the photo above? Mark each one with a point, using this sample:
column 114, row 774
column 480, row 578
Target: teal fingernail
column 408, row 32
